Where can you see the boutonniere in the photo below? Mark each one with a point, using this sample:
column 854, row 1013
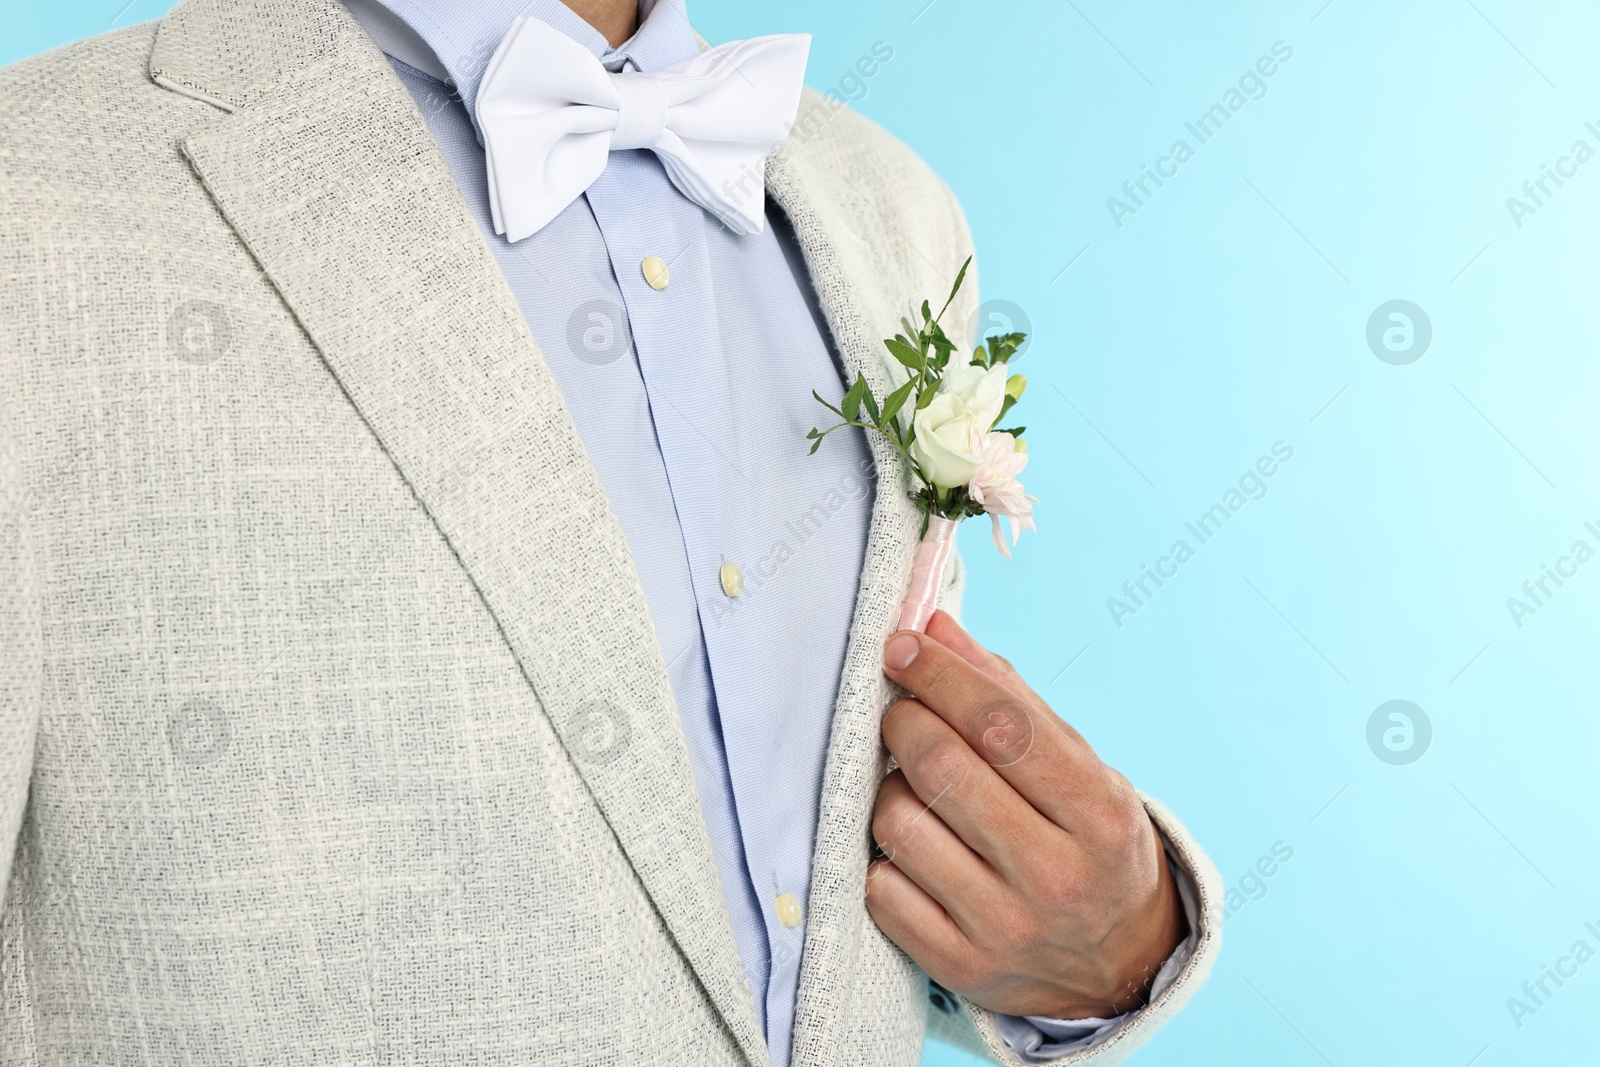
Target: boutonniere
column 945, row 419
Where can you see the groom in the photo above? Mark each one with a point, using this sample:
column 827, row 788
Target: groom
column 409, row 656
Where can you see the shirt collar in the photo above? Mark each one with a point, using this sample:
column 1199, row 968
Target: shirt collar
column 453, row 41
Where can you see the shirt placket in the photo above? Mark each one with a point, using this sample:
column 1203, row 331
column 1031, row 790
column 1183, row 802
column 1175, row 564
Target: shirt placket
column 657, row 245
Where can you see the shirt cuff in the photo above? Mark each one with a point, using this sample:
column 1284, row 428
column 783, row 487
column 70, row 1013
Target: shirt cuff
column 1039, row 1039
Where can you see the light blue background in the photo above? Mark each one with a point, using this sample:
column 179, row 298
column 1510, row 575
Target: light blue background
column 1230, row 313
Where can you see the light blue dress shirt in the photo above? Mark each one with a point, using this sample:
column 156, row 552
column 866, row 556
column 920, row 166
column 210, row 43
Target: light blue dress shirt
column 693, row 401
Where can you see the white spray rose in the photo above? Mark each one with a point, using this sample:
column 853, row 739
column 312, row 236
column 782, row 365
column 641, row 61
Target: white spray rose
column 950, row 430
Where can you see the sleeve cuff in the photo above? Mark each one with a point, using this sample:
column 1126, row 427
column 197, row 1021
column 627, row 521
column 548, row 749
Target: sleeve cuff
column 1040, row 1039
column 967, row 1025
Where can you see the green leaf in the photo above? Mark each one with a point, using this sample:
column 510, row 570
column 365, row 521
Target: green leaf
column 872, row 407
column 960, row 277
column 1004, row 345
column 852, row 399
column 827, row 405
column 1014, row 431
column 907, row 355
column 897, row 399
column 814, row 446
column 927, row 312
column 925, row 397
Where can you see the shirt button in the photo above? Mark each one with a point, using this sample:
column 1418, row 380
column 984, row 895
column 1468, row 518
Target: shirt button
column 788, row 906
column 732, row 581
column 655, row 272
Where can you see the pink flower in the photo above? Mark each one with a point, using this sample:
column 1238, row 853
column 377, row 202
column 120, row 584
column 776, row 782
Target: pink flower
column 995, row 486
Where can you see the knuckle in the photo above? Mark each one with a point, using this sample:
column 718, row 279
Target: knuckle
column 1003, row 730
column 894, row 821
column 899, row 715
column 1119, row 826
column 940, row 678
column 942, row 766
column 877, row 879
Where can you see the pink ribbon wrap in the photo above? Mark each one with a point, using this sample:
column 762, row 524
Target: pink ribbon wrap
column 927, row 574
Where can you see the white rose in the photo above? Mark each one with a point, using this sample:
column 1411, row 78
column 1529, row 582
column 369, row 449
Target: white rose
column 983, row 390
column 950, row 430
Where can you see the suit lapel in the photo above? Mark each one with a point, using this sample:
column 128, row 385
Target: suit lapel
column 856, row 313
column 330, row 178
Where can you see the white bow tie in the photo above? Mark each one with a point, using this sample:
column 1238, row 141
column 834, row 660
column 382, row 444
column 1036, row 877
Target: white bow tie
column 551, row 113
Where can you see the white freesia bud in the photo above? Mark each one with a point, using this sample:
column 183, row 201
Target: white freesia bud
column 951, row 429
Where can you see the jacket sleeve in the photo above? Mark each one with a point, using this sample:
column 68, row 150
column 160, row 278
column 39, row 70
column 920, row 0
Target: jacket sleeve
column 956, row 1021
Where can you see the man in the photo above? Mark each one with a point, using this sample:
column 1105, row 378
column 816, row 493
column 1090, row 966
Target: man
column 426, row 638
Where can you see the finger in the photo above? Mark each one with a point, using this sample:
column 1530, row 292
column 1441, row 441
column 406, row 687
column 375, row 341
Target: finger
column 1020, row 737
column 969, row 796
column 914, row 920
column 917, row 841
column 943, row 628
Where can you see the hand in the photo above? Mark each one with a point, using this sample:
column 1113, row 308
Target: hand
column 1018, row 869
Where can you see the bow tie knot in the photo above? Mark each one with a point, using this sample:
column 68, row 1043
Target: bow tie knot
column 641, row 111
column 551, row 114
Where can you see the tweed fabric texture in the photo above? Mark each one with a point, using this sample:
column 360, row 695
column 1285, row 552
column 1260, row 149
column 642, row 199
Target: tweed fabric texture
column 333, row 727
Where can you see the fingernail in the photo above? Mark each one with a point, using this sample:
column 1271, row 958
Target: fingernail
column 901, row 651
